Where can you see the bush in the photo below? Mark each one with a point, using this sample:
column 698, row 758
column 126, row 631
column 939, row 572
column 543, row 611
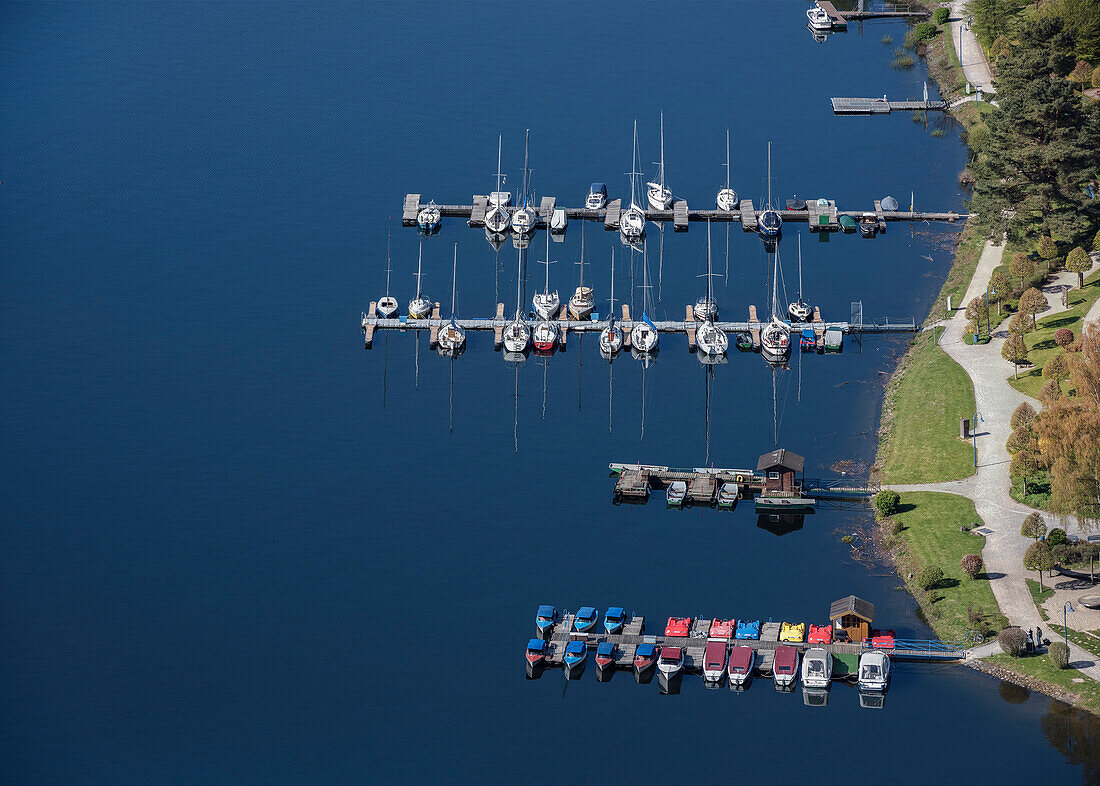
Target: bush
column 887, row 502
column 925, row 31
column 941, row 15
column 972, row 565
column 1063, row 337
column 975, row 616
column 1058, row 653
column 1012, row 641
column 897, row 529
column 1033, row 526
column 847, row 539
column 929, row 578
column 1047, row 248
column 1056, row 537
column 1096, row 77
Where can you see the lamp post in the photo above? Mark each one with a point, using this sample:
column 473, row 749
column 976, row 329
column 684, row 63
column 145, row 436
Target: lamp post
column 1065, row 627
column 973, row 434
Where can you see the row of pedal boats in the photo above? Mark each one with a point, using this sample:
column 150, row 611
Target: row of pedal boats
column 722, row 657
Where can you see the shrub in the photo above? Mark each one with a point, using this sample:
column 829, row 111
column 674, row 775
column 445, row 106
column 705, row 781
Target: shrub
column 929, row 577
column 975, row 616
column 1047, row 248
column 1063, row 337
column 887, row 39
column 1033, row 526
column 1023, row 416
column 972, row 565
column 925, row 31
column 941, row 15
column 1058, row 653
column 1019, row 325
column 897, row 529
column 1012, row 641
column 887, row 502
column 847, row 539
column 1056, row 537
column 1096, row 242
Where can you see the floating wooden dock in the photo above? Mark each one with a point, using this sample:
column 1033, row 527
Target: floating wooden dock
column 840, row 19
column 881, row 106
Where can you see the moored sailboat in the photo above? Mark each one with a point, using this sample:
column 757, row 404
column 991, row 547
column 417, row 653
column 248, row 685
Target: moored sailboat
column 523, row 220
column 770, row 222
column 387, row 304
column 420, row 307
column 727, row 197
column 775, row 337
column 516, row 336
column 546, row 302
column 800, row 311
column 452, row 338
column 632, row 221
column 581, row 304
column 708, row 337
column 611, row 337
column 497, row 218
column 644, row 336
column 659, row 195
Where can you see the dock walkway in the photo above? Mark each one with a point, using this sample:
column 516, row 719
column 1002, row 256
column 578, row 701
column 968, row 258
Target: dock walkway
column 882, row 106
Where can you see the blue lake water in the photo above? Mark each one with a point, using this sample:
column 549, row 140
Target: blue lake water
column 237, row 548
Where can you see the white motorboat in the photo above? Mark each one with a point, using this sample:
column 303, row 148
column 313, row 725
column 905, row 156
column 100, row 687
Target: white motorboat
column 715, row 655
column 819, row 20
column 741, row 662
column 523, row 220
column 546, row 303
column 671, row 662
column 581, row 304
column 452, row 338
column 785, row 666
column 676, row 493
column 420, row 307
column 817, row 668
column 770, row 223
column 545, row 336
column 799, row 310
column 516, row 336
column 708, row 337
column 429, row 218
column 660, row 196
column 497, row 218
column 387, row 304
column 874, row 671
column 597, row 197
column 611, row 337
column 632, row 220
column 727, row 197
column 775, row 337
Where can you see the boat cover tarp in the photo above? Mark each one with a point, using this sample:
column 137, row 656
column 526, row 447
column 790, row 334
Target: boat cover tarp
column 576, row 648
column 889, row 203
column 644, row 651
column 537, row 645
column 615, row 612
column 598, row 188
column 605, row 648
column 741, row 659
column 586, row 613
column 546, row 611
column 786, row 659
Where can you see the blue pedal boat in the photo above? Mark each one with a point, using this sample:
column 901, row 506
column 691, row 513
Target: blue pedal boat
column 748, row 630
column 544, row 619
column 614, row 619
column 586, row 619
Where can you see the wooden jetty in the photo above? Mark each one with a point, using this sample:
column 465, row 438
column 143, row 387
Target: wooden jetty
column 882, row 106
column 840, row 19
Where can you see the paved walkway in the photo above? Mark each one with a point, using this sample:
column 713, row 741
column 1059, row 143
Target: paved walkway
column 1004, row 548
column 970, row 53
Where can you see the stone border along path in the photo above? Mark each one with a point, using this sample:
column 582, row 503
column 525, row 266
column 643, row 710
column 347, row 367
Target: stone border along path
column 1004, row 548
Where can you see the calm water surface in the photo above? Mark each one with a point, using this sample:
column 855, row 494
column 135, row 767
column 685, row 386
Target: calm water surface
column 240, row 549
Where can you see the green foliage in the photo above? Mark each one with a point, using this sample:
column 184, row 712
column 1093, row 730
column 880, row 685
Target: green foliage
column 941, row 15
column 887, row 39
column 1047, row 248
column 1096, row 77
column 925, row 31
column 847, row 539
column 971, row 565
column 976, row 137
column 1020, row 266
column 1079, row 262
column 1057, row 367
column 1032, row 302
column 1058, row 653
column 1012, row 641
column 976, row 310
column 929, row 577
column 1081, row 73
column 1014, row 349
column 887, row 502
column 1034, row 526
column 1056, row 537
column 1038, row 557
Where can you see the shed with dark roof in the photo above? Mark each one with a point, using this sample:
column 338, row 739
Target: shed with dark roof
column 854, row 616
column 780, row 468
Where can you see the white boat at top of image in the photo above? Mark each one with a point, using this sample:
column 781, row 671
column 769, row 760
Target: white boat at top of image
column 659, row 195
column 727, row 197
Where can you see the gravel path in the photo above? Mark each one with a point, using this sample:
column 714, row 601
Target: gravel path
column 971, row 57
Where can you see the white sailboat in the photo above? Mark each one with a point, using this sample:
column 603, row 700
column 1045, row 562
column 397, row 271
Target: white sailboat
column 660, row 196
column 611, row 337
column 497, row 218
column 420, row 307
column 387, row 304
column 581, row 304
column 632, row 221
column 523, row 220
column 800, row 311
column 516, row 334
column 545, row 336
column 644, row 336
column 775, row 338
column 770, row 222
column 708, row 337
column 452, row 338
column 429, row 218
column 727, row 197
column 546, row 302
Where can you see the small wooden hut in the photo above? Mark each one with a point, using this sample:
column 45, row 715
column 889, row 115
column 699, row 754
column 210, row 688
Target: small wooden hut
column 854, row 616
column 780, row 468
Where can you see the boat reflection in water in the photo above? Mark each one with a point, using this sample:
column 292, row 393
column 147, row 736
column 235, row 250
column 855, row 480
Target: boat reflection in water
column 872, row 701
column 670, row 686
column 815, row 697
column 780, row 523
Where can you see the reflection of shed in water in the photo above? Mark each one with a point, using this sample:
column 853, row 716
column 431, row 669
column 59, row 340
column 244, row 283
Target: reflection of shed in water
column 780, row 523
column 854, row 616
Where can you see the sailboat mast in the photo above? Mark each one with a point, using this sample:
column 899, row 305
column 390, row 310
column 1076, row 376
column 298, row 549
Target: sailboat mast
column 519, row 279
column 769, row 174
column 727, row 159
column 633, row 163
column 708, row 269
column 775, row 284
column 800, row 267
column 613, row 284
column 526, row 138
column 546, row 288
column 454, row 272
column 500, row 138
column 582, row 254
column 419, row 258
column 389, row 225
column 662, row 154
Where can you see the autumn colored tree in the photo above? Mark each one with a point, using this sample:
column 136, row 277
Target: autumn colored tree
column 1032, row 302
column 1020, row 266
column 1020, row 324
column 977, row 312
column 1020, row 439
column 971, row 565
column 1057, row 367
column 1034, row 527
column 1025, row 463
column 1050, row 391
column 1023, row 416
column 1038, row 557
column 1015, row 352
column 1096, row 77
column 1081, row 73
column 1001, row 287
column 1063, row 337
column 1078, row 261
column 1047, row 248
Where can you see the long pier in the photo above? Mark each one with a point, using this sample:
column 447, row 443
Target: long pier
column 839, row 19
column 882, row 106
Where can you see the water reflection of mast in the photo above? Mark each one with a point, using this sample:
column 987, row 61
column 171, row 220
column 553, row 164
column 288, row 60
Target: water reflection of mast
column 451, row 399
column 385, row 365
column 709, row 371
column 580, row 366
column 775, row 409
column 545, row 365
column 416, row 357
column 610, row 390
column 515, row 421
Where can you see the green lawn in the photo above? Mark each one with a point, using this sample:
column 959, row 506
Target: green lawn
column 958, row 277
column 1040, row 343
column 1040, row 667
column 920, row 416
column 932, row 536
column 1039, row 595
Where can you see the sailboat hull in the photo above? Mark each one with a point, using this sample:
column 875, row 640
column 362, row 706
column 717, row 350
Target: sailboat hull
column 546, row 305
column 387, row 307
column 659, row 198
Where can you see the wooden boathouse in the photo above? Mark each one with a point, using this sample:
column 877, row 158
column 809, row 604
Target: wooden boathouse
column 780, row 470
column 853, row 616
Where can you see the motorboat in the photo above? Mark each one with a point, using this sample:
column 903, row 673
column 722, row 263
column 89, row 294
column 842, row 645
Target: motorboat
column 721, row 629
column 659, row 195
column 546, row 303
column 740, row 664
column 387, row 304
column 585, row 619
column 605, row 660
column 576, row 653
column 597, row 197
column 632, row 220
column 580, row 306
column 819, row 19
column 728, row 495
column 496, row 217
column 671, row 662
column 874, row 671
column 614, row 619
column 799, row 310
column 748, row 630
column 536, row 656
column 420, row 307
column 770, row 223
column 559, row 221
column 791, row 632
column 727, row 197
column 523, row 220
column 868, row 225
column 545, row 619
column 677, row 492
column 817, row 668
column 645, row 658
column 807, row 340
column 545, row 337
column 743, row 341
column 452, row 338
column 714, row 659
column 834, row 339
column 785, row 667
column 678, row 626
column 820, row 634
column 847, row 223
column 429, row 218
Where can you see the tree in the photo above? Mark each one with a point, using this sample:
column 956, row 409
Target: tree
column 1032, row 302
column 1038, row 558
column 1063, row 337
column 941, row 15
column 1012, row 641
column 1020, row 439
column 1096, row 242
column 1015, row 352
column 1050, row 391
column 1081, row 73
column 1001, row 287
column 1058, row 653
column 977, row 312
column 1047, row 248
column 992, row 19
column 1023, row 416
column 971, row 565
column 1078, row 261
column 887, row 502
column 1021, row 267
column 929, row 577
column 1057, row 368
column 1096, row 77
column 1056, row 537
column 1033, row 527
column 1019, row 325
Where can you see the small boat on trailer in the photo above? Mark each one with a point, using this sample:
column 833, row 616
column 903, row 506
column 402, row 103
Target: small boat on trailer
column 817, row 668
column 645, row 658
column 728, row 495
column 715, row 655
column 576, row 653
column 585, row 619
column 545, row 619
column 874, row 671
column 605, row 660
column 785, row 667
column 740, row 665
column 536, row 656
column 614, row 619
column 676, row 494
